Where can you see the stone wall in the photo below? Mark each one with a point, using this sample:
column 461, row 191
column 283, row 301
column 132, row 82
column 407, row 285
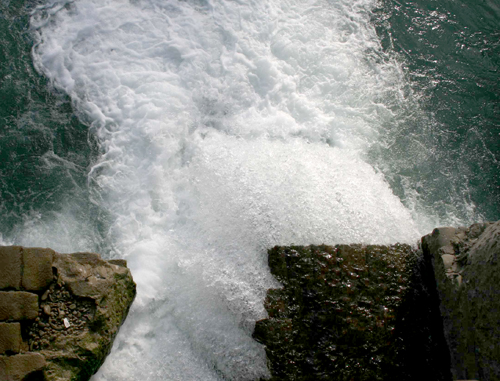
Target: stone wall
column 24, row 275
column 59, row 313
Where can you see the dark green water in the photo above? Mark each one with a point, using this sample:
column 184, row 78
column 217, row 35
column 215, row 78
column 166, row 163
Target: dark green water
column 450, row 52
column 45, row 151
column 446, row 157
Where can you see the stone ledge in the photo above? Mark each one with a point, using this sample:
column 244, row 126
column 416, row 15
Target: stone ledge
column 18, row 305
column 10, row 337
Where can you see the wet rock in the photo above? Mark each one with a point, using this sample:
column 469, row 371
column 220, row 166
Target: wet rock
column 352, row 312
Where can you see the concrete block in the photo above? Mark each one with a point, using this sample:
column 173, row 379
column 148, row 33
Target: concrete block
column 37, row 272
column 10, row 268
column 10, row 337
column 18, row 305
column 17, row 367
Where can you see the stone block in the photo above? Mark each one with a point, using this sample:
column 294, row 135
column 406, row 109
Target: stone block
column 18, row 305
column 10, row 337
column 37, row 272
column 10, row 269
column 18, row 367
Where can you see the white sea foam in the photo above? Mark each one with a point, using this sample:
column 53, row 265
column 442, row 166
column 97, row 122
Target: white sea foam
column 226, row 128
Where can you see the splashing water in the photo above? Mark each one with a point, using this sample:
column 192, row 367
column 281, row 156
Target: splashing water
column 225, row 128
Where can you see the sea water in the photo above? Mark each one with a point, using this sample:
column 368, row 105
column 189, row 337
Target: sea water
column 188, row 137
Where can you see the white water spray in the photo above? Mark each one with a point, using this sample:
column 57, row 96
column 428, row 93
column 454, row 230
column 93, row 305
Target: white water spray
column 226, row 128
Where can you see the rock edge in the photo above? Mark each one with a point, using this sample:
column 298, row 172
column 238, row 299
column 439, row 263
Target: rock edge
column 59, row 313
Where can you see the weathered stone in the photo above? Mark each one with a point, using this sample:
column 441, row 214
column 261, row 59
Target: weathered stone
column 46, row 309
column 18, row 305
column 45, row 295
column 470, row 301
column 10, row 268
column 21, row 366
column 353, row 312
column 10, row 337
column 3, row 370
column 448, row 260
column 37, row 268
column 442, row 237
column 118, row 262
column 75, row 347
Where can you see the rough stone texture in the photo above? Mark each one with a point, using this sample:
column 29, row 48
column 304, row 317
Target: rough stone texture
column 18, row 305
column 10, row 268
column 353, row 313
column 469, row 290
column 118, row 262
column 10, row 337
column 22, row 367
column 37, row 268
column 80, row 315
column 83, row 302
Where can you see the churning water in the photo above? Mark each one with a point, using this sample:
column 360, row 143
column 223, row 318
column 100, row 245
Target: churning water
column 188, row 137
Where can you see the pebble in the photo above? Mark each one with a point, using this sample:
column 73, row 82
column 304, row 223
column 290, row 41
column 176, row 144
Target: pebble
column 45, row 295
column 46, row 309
